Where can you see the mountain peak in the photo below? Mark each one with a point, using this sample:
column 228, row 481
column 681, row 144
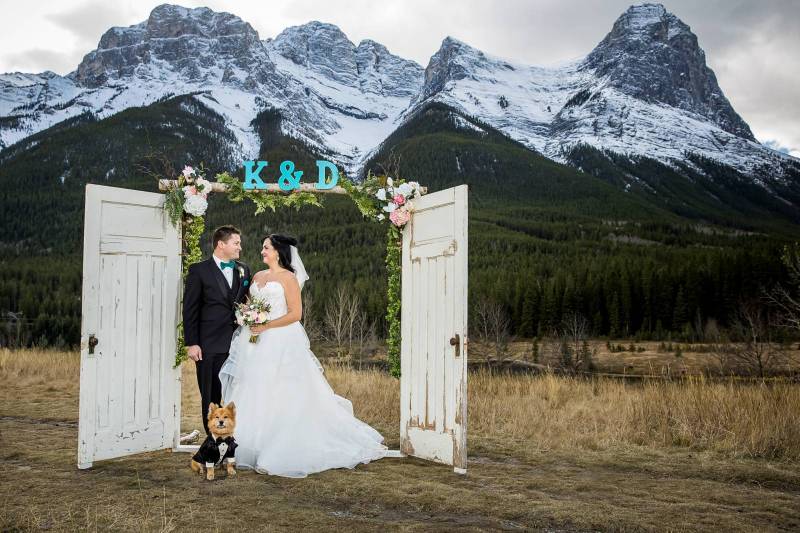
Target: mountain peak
column 451, row 62
column 324, row 48
column 652, row 55
column 179, row 37
column 321, row 47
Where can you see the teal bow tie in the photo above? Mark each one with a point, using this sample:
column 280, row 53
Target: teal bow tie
column 230, row 264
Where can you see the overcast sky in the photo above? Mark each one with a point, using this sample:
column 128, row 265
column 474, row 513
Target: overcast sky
column 752, row 46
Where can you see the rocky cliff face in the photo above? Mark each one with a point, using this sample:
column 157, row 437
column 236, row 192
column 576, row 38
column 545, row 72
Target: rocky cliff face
column 653, row 56
column 187, row 42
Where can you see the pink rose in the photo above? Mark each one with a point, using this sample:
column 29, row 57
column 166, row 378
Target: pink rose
column 399, row 199
column 192, row 189
column 399, row 217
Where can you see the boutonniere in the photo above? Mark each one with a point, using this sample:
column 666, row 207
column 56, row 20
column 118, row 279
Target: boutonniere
column 245, row 282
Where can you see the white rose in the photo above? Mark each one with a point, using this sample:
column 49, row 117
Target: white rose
column 405, row 189
column 389, row 208
column 381, row 216
column 389, row 181
column 381, row 195
column 195, row 205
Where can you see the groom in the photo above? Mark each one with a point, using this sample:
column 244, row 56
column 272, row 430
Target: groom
column 213, row 288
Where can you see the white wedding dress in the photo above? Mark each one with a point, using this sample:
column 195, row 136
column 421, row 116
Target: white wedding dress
column 289, row 422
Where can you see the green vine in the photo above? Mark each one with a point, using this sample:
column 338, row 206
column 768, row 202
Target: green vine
column 394, row 242
column 193, row 228
column 174, row 205
column 365, row 202
column 236, row 193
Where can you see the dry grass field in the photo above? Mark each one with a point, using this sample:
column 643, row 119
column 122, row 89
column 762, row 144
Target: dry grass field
column 545, row 453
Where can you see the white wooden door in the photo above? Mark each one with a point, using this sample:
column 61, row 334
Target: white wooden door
column 129, row 392
column 433, row 383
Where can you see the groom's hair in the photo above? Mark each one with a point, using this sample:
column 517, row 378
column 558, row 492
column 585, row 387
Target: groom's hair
column 223, row 233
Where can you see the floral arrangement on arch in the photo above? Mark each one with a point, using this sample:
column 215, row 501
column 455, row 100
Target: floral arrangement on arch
column 191, row 195
column 382, row 197
column 195, row 191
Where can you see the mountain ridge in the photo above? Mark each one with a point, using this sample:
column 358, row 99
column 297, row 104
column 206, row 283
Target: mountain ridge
column 644, row 90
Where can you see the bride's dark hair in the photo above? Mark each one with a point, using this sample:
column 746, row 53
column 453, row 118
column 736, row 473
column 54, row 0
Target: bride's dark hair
column 282, row 244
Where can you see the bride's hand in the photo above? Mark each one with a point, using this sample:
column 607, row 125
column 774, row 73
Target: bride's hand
column 258, row 329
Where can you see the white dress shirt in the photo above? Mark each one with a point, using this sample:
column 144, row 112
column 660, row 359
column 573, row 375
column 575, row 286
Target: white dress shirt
column 227, row 272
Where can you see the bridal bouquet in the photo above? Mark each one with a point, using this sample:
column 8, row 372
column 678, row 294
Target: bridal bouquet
column 252, row 313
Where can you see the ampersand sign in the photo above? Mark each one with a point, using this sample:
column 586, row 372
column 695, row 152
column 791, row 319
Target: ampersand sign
column 289, row 179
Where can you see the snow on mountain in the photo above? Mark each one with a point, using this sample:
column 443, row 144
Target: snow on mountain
column 645, row 90
column 343, row 103
column 351, row 95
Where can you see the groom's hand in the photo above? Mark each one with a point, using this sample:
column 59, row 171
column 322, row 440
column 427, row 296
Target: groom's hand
column 194, row 352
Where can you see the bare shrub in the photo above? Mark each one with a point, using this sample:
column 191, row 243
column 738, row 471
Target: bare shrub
column 312, row 323
column 787, row 299
column 755, row 352
column 347, row 325
column 492, row 326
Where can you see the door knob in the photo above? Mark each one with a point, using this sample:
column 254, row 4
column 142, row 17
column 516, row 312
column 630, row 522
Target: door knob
column 456, row 341
column 92, row 343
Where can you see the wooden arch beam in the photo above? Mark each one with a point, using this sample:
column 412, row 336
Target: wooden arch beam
column 166, row 184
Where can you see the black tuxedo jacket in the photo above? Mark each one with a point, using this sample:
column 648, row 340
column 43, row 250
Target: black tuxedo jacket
column 215, row 450
column 209, row 305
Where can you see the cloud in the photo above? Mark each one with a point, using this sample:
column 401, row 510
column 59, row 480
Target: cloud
column 88, row 21
column 40, row 59
column 778, row 147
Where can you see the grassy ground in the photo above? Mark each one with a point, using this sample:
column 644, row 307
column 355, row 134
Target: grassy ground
column 545, row 453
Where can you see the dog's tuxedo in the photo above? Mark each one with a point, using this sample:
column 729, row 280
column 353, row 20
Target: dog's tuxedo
column 209, row 321
column 213, row 451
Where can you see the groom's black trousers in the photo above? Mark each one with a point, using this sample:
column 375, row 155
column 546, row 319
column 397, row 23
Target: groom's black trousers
column 208, row 381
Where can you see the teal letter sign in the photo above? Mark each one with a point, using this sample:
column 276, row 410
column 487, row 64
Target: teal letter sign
column 252, row 180
column 289, row 179
column 322, row 183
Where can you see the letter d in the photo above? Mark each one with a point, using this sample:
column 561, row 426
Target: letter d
column 322, row 184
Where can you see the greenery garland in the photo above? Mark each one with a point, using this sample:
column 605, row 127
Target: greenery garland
column 394, row 243
column 364, row 196
column 369, row 203
column 236, row 193
column 192, row 228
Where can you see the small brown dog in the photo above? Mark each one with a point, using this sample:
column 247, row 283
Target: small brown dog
column 219, row 445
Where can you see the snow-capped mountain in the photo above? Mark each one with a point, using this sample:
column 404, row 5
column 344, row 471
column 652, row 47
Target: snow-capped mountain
column 645, row 90
column 339, row 98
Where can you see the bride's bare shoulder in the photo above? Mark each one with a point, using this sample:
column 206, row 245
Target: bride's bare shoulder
column 287, row 277
column 261, row 274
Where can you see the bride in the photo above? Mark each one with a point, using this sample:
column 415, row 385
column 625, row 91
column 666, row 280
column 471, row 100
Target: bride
column 289, row 421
